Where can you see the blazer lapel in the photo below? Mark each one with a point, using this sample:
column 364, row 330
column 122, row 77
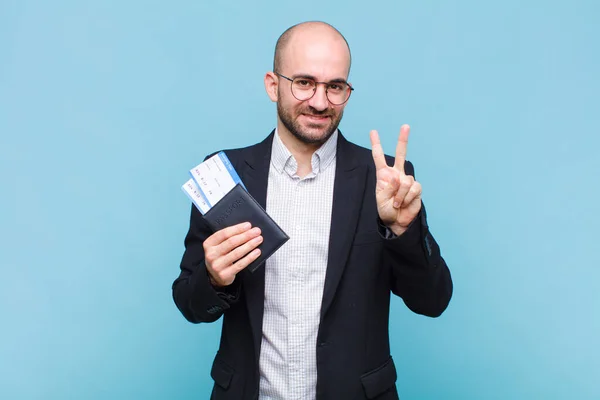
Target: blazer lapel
column 254, row 173
column 348, row 192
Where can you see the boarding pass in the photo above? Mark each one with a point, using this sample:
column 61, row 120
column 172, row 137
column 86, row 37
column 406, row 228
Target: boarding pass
column 211, row 181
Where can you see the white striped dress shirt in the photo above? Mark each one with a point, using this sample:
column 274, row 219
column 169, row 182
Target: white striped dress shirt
column 295, row 274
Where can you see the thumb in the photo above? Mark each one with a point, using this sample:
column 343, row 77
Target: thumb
column 386, row 189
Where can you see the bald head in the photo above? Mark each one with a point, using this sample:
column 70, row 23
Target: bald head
column 306, row 31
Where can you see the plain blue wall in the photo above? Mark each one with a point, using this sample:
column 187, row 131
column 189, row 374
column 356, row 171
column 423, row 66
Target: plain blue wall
column 104, row 107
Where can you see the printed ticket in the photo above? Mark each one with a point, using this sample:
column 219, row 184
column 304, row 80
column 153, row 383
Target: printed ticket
column 215, row 177
column 195, row 194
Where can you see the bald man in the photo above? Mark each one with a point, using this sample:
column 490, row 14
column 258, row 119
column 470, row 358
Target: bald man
column 312, row 323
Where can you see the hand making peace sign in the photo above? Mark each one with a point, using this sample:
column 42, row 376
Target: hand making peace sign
column 398, row 195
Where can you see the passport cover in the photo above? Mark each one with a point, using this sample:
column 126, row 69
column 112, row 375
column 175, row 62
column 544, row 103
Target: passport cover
column 239, row 206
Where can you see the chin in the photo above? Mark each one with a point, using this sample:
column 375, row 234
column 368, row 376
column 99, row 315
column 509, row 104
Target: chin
column 313, row 137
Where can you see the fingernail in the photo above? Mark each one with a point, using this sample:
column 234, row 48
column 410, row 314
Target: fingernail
column 247, row 225
column 396, row 204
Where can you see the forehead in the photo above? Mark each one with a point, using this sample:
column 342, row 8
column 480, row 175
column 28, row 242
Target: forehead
column 322, row 55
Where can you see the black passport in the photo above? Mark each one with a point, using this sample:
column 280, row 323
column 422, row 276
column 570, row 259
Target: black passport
column 239, row 206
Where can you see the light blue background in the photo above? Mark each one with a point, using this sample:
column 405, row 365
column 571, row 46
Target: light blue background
column 105, row 106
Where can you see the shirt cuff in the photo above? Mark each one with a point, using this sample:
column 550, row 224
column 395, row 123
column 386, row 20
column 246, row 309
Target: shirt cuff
column 410, row 237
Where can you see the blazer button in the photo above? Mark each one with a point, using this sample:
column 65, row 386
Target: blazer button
column 214, row 310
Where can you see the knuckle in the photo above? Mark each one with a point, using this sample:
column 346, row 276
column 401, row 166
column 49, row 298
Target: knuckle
column 209, row 269
column 219, row 235
column 218, row 265
column 213, row 240
column 253, row 232
column 243, row 263
column 246, row 236
column 244, row 250
column 235, row 230
column 222, row 276
column 249, row 245
column 233, row 241
column 228, row 277
column 237, row 253
column 240, row 265
column 210, row 254
column 226, row 233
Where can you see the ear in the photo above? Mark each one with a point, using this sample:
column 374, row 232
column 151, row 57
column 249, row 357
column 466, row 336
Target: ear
column 271, row 84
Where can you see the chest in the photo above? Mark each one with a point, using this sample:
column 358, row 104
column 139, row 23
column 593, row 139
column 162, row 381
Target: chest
column 303, row 209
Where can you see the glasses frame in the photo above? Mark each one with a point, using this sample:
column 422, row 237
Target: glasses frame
column 315, row 89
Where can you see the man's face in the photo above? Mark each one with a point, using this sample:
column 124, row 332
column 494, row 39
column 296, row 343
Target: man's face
column 314, row 120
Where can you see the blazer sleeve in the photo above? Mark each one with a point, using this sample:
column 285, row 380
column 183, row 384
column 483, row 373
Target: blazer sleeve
column 420, row 275
column 193, row 293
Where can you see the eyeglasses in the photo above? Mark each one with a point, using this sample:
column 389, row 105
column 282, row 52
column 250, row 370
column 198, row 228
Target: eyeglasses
column 337, row 92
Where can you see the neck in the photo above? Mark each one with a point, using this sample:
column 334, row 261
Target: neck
column 301, row 151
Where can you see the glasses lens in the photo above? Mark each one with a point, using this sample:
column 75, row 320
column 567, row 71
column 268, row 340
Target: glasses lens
column 338, row 92
column 303, row 88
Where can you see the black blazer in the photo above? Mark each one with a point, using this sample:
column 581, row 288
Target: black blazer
column 353, row 351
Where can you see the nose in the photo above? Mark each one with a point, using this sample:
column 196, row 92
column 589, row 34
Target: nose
column 319, row 101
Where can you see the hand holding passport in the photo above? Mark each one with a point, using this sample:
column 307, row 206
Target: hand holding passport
column 220, row 196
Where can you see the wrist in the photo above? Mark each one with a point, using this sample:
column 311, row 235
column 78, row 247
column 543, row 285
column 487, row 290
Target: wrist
column 213, row 282
column 397, row 229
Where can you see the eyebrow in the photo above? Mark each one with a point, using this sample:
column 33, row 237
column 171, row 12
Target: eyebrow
column 336, row 80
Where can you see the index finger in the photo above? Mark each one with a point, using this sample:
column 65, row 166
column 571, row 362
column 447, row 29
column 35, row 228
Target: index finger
column 378, row 154
column 223, row 234
column 401, row 148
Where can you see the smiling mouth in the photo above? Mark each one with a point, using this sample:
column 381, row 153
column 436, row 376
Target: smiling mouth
column 316, row 117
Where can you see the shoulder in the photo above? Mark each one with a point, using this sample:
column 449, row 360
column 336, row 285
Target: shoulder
column 233, row 154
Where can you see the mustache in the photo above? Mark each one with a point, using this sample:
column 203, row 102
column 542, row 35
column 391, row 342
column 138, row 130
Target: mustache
column 317, row 113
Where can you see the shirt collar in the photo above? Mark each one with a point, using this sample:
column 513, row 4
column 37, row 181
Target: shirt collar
column 282, row 159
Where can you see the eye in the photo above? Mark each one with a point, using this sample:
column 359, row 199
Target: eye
column 337, row 87
column 303, row 82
